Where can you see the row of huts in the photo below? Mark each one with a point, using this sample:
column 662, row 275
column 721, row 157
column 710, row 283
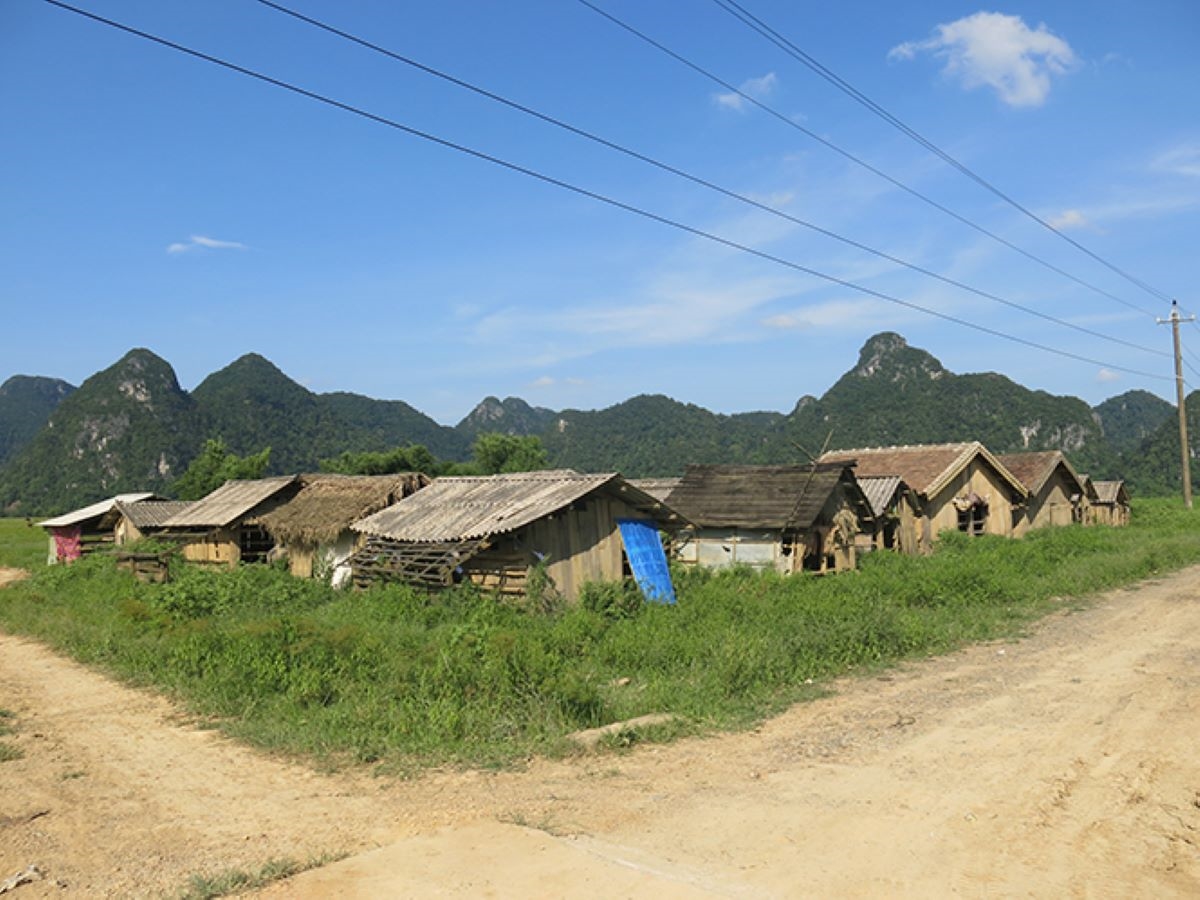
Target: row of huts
column 575, row 528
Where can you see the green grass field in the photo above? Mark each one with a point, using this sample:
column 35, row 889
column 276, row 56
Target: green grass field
column 22, row 545
column 402, row 679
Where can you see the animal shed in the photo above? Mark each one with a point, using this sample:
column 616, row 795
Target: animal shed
column 494, row 531
column 786, row 518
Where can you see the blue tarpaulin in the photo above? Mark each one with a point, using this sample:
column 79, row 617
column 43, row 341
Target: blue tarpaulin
column 646, row 558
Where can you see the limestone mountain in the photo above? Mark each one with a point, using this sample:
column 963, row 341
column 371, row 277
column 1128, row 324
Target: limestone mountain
column 511, row 415
column 26, row 402
column 1130, row 418
column 897, row 394
column 653, row 435
column 251, row 404
column 130, row 427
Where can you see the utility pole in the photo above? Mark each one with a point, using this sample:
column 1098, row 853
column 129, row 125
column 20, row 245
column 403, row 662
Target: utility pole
column 1185, row 454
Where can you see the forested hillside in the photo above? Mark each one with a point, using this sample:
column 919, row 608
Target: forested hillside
column 131, row 427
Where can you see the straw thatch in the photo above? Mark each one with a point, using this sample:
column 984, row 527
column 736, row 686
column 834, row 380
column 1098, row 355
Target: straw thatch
column 327, row 504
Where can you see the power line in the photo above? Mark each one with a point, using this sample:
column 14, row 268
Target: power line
column 895, row 182
column 581, row 191
column 695, row 179
column 743, row 15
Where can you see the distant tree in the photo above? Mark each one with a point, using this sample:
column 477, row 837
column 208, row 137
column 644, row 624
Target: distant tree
column 214, row 466
column 411, row 458
column 495, row 453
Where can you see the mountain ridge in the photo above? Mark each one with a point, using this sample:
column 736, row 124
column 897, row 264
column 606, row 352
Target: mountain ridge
column 894, row 393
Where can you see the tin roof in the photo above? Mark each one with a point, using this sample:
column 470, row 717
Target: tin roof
column 231, row 501
column 95, row 511
column 455, row 509
column 149, row 513
column 880, row 489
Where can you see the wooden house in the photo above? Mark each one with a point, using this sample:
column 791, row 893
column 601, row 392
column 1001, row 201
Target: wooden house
column 85, row 530
column 134, row 521
column 896, row 509
column 494, row 531
column 956, row 486
column 1111, row 504
column 1057, row 495
column 218, row 529
column 785, row 518
column 312, row 529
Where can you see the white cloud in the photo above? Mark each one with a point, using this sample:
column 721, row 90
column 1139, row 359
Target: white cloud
column 544, row 382
column 1183, row 160
column 997, row 51
column 834, row 314
column 199, row 241
column 1067, row 219
column 1108, row 375
column 757, row 88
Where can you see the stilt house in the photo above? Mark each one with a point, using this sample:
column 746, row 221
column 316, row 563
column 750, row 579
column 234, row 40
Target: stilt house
column 785, row 518
column 495, row 530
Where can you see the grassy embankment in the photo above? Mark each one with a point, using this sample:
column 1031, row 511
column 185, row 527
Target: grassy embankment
column 404, row 679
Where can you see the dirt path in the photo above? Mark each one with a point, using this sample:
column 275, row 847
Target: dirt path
column 1060, row 765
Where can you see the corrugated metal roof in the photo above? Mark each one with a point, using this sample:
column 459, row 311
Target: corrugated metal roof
column 770, row 497
column 95, row 511
column 925, row 468
column 453, row 509
column 230, row 502
column 151, row 513
column 880, row 490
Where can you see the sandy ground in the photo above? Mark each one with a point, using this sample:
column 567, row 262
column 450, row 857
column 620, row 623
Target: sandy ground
column 1061, row 765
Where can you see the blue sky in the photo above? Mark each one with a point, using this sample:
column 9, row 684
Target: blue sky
column 155, row 200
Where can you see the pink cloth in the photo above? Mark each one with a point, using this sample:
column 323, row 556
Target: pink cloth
column 67, row 543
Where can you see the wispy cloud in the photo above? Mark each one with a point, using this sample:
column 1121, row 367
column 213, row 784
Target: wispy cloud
column 997, row 51
column 757, row 88
column 1068, row 219
column 1182, row 160
column 1107, row 375
column 200, row 242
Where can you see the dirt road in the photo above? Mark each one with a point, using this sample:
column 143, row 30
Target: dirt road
column 1060, row 765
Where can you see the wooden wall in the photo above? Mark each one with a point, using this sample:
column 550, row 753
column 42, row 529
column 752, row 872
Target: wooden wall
column 579, row 544
column 1051, row 506
column 979, row 478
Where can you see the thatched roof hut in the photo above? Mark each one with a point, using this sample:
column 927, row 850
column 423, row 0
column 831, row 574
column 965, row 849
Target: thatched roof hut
column 326, row 505
column 313, row 527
